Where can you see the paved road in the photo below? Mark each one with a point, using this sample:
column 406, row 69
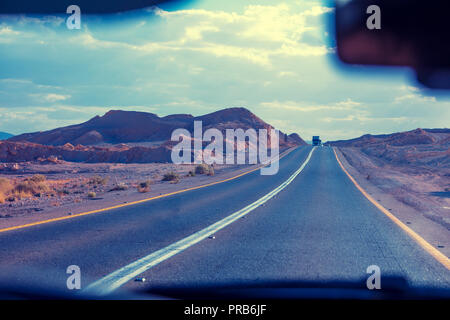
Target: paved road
column 319, row 227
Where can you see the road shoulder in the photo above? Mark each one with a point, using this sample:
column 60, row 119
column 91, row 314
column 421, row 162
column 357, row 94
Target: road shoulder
column 434, row 233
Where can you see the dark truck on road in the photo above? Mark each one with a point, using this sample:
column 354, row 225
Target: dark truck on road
column 316, row 141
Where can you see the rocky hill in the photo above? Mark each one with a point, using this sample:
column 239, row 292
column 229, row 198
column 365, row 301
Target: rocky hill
column 126, row 137
column 129, row 126
column 420, row 147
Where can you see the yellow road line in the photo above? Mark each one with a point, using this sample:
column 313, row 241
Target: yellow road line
column 134, row 202
column 439, row 256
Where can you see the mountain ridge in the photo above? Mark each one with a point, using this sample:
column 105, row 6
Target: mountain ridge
column 5, row 135
column 117, row 126
column 126, row 137
column 425, row 148
column 413, row 137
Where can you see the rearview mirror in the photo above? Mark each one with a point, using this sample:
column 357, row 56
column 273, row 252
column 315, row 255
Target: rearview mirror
column 410, row 33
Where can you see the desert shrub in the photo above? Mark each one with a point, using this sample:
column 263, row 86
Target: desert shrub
column 28, row 188
column 171, row 176
column 91, row 194
column 34, row 186
column 5, row 188
column 191, row 174
column 204, row 169
column 63, row 192
column 38, row 178
column 145, row 184
column 119, row 187
column 98, row 180
column 144, row 187
column 24, row 188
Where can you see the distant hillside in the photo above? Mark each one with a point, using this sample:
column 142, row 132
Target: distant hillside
column 126, row 137
column 414, row 137
column 5, row 135
column 295, row 137
column 26, row 151
column 130, row 127
column 420, row 147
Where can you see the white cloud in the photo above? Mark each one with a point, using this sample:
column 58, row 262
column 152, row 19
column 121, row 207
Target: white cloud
column 229, row 17
column 50, row 97
column 286, row 74
column 306, row 107
column 26, row 82
column 7, row 30
column 362, row 118
column 196, row 32
column 415, row 98
column 7, row 34
column 17, row 81
column 22, row 20
column 412, row 94
column 259, row 35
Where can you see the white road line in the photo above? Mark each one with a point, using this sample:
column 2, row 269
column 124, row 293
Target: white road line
column 119, row 277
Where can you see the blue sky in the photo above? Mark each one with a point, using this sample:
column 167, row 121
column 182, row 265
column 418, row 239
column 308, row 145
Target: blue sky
column 274, row 57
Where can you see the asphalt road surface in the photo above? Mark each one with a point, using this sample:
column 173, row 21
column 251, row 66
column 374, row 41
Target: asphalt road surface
column 318, row 227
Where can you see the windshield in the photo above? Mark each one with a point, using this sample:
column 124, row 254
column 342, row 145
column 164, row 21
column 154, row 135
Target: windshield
column 208, row 143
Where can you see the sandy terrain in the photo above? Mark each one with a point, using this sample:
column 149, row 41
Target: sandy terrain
column 70, row 184
column 417, row 194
